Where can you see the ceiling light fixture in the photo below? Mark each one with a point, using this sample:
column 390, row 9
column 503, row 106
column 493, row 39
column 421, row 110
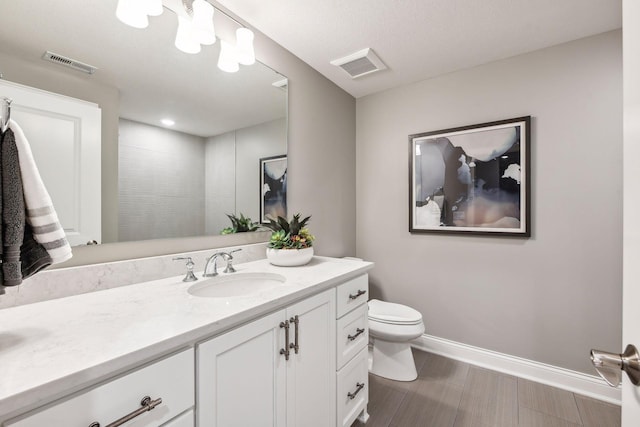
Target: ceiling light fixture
column 244, row 46
column 132, row 13
column 154, row 7
column 186, row 39
column 167, row 122
column 203, row 22
column 228, row 60
column 195, row 28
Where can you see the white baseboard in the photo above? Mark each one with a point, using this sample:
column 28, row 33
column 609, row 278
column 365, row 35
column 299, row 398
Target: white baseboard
column 577, row 382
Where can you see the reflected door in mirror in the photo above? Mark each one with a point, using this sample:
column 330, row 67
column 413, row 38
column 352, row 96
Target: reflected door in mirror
column 64, row 135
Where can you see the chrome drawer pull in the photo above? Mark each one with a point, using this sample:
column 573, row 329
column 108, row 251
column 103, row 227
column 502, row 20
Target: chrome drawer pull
column 359, row 332
column 285, row 350
column 351, row 395
column 360, row 292
column 147, row 405
column 295, row 345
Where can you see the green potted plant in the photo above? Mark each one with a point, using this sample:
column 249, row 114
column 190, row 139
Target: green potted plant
column 240, row 225
column 291, row 243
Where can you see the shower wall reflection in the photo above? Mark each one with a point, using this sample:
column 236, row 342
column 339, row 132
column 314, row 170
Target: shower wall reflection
column 172, row 184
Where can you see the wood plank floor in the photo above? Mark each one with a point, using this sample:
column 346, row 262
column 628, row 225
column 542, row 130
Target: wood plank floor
column 449, row 393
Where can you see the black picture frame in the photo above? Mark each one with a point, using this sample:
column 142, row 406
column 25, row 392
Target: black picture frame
column 472, row 179
column 273, row 187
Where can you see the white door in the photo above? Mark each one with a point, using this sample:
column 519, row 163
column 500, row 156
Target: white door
column 241, row 376
column 631, row 245
column 311, row 369
column 64, row 135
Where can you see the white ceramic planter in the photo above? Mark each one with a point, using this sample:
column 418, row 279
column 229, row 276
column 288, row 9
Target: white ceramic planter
column 289, row 257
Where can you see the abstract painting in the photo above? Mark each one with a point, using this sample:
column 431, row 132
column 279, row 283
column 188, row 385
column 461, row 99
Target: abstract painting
column 273, row 188
column 471, row 179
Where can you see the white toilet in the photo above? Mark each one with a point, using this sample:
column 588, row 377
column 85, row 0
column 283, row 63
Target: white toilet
column 391, row 327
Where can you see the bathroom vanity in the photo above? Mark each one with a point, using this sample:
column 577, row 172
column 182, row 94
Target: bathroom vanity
column 291, row 354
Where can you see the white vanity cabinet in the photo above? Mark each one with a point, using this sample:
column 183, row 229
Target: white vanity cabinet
column 352, row 335
column 278, row 370
column 171, row 380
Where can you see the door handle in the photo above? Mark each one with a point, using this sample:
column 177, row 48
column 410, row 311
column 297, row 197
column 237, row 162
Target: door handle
column 610, row 365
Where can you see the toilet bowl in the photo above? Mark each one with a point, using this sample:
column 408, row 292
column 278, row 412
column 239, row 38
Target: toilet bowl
column 392, row 327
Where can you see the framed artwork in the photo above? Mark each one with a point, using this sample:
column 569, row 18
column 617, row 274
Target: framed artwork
column 273, row 188
column 472, row 179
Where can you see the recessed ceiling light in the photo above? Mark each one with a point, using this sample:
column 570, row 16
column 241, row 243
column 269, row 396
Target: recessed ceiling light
column 168, row 122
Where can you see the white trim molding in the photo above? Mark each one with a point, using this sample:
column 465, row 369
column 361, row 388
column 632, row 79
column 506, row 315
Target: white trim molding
column 577, row 382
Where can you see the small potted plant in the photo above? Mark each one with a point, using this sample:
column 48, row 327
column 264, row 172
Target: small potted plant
column 291, row 243
column 240, row 225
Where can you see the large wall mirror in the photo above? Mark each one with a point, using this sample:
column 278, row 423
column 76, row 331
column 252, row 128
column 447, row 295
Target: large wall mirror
column 175, row 180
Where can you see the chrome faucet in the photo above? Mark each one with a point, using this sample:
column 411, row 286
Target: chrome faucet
column 212, row 260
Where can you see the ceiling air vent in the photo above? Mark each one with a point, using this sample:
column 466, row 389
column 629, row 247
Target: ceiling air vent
column 360, row 63
column 281, row 84
column 68, row 62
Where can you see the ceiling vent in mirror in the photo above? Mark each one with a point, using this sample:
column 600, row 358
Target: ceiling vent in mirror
column 68, row 62
column 281, row 84
column 360, row 63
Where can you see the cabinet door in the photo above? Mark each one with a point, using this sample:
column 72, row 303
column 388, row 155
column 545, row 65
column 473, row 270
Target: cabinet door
column 311, row 385
column 241, row 376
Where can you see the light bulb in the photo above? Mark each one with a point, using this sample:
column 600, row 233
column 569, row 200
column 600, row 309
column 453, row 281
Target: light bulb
column 203, row 22
column 228, row 61
column 244, row 46
column 185, row 37
column 154, row 7
column 132, row 13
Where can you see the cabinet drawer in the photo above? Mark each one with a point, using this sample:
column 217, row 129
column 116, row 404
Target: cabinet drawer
column 352, row 333
column 353, row 389
column 351, row 294
column 185, row 420
column 171, row 379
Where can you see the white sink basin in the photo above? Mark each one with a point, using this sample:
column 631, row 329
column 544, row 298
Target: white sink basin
column 236, row 285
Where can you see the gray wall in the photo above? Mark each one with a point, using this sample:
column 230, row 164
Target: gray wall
column 549, row 298
column 233, row 174
column 161, row 183
column 220, row 181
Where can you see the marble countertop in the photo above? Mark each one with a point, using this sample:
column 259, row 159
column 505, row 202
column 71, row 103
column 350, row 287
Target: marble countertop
column 52, row 348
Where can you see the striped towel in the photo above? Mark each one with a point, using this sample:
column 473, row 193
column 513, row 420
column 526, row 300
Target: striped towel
column 40, row 213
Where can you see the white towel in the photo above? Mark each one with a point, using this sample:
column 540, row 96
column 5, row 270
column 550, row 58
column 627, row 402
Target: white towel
column 40, row 213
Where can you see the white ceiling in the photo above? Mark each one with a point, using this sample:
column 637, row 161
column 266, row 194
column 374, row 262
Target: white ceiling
column 418, row 39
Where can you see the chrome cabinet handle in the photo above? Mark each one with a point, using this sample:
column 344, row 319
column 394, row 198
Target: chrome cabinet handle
column 359, row 331
column 146, row 405
column 360, row 292
column 295, row 345
column 353, row 395
column 285, row 350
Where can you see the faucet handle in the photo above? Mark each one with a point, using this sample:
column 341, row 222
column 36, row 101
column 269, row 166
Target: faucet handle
column 229, row 268
column 190, row 277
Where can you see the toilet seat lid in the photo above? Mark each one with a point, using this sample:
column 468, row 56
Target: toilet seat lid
column 388, row 312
